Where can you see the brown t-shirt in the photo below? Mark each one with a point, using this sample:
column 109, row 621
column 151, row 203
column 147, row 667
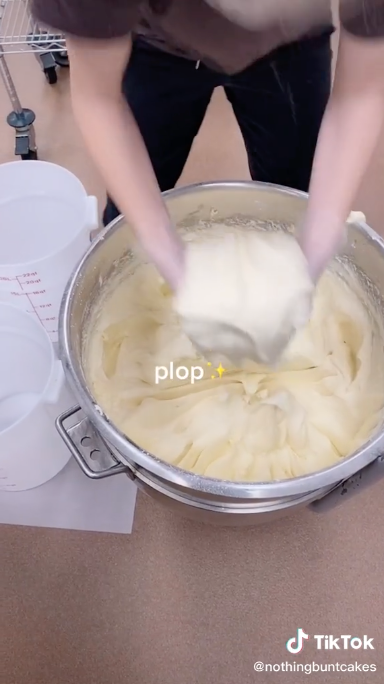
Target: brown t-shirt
column 227, row 35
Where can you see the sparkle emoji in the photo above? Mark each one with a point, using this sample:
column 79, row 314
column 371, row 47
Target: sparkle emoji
column 219, row 370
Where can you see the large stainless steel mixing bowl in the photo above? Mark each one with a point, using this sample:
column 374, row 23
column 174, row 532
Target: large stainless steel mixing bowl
column 102, row 450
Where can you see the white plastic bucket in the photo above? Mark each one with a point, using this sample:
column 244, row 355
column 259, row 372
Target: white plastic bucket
column 33, row 393
column 46, row 218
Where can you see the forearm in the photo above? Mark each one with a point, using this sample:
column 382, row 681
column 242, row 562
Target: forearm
column 118, row 151
column 348, row 138
column 116, row 146
column 349, row 135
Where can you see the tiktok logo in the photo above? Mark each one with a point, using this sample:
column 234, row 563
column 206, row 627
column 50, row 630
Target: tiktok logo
column 295, row 645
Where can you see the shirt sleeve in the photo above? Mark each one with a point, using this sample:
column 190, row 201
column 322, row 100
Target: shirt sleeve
column 93, row 19
column 363, row 18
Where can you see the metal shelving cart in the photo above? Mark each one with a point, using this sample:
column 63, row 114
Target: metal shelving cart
column 19, row 33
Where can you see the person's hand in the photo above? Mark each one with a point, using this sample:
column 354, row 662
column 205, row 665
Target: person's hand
column 321, row 243
column 167, row 254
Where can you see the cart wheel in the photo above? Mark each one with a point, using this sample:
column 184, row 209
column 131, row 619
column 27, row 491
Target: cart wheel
column 31, row 154
column 51, row 75
column 61, row 58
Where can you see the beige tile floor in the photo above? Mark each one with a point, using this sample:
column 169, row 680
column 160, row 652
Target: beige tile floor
column 177, row 602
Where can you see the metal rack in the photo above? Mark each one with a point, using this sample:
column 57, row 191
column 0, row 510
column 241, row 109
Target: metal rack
column 20, row 33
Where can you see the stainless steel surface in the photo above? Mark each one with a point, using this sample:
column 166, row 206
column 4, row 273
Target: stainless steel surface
column 354, row 485
column 20, row 33
column 87, row 447
column 215, row 202
column 8, row 83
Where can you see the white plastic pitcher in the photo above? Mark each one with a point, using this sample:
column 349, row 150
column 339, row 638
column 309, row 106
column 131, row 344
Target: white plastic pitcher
column 33, row 392
column 46, row 218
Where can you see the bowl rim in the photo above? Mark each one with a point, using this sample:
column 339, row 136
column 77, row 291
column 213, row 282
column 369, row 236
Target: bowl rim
column 131, row 454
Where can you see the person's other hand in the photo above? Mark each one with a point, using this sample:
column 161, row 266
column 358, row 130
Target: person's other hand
column 320, row 244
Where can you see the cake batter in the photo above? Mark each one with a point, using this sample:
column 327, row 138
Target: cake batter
column 320, row 404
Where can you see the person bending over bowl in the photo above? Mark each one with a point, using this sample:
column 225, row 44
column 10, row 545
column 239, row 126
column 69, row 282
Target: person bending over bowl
column 273, row 58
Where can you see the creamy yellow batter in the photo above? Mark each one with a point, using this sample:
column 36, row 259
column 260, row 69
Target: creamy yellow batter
column 257, row 424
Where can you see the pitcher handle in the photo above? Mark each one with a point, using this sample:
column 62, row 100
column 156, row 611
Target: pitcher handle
column 56, row 384
column 92, row 215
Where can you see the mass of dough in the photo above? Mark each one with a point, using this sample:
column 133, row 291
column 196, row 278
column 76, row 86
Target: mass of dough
column 255, row 424
column 244, row 295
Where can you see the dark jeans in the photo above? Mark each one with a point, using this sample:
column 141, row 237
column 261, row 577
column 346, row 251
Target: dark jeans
column 278, row 102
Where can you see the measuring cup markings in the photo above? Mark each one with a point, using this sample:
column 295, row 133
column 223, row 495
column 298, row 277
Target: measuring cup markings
column 25, row 281
column 47, row 223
